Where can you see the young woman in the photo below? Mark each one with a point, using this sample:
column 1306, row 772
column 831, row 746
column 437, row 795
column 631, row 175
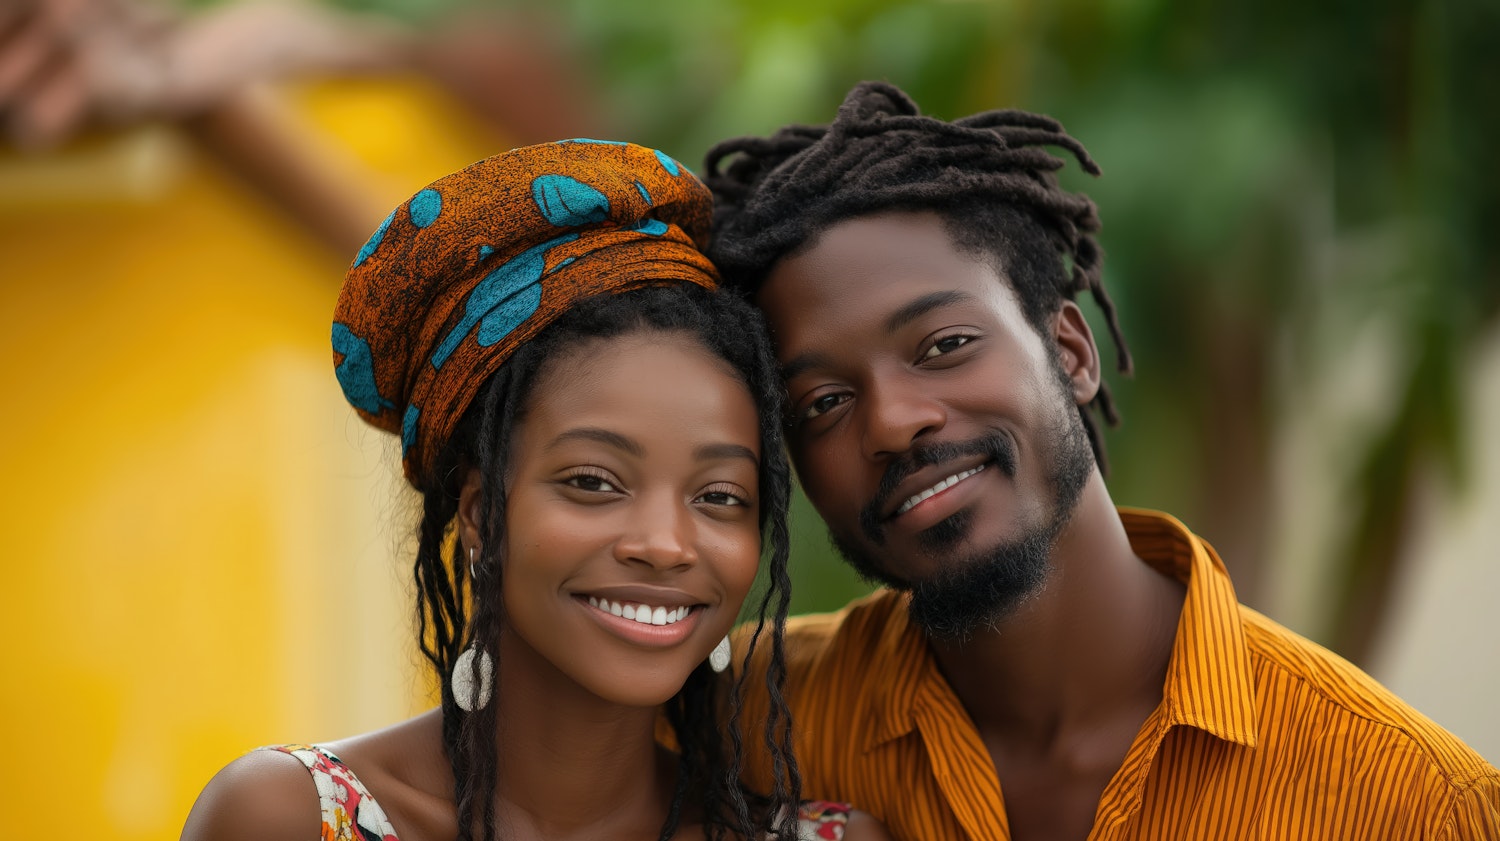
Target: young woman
column 595, row 433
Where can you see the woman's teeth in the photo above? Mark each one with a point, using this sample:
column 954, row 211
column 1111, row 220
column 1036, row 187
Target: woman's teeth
column 645, row 614
column 938, row 488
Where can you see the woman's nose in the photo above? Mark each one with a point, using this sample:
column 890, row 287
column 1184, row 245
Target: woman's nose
column 660, row 533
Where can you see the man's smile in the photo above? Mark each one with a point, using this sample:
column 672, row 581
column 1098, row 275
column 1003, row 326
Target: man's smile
column 925, row 475
column 942, row 485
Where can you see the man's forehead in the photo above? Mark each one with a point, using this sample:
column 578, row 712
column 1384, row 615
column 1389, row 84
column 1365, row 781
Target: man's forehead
column 882, row 266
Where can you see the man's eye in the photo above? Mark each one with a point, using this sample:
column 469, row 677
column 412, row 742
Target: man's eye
column 946, row 345
column 826, row 403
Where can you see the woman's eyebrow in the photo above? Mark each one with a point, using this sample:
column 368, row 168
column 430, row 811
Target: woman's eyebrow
column 711, row 452
column 603, row 436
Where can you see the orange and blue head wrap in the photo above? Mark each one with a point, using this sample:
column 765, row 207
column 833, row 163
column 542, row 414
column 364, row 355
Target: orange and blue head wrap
column 470, row 268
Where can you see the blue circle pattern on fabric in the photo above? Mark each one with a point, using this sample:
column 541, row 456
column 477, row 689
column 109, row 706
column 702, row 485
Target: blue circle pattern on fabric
column 668, row 164
column 356, row 374
column 409, row 429
column 374, row 241
column 567, row 202
column 652, row 227
column 511, row 293
column 506, row 297
column 425, row 207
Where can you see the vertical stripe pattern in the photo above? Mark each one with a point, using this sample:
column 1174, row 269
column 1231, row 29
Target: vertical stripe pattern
column 1260, row 734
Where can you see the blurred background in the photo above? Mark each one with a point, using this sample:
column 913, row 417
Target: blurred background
column 211, row 552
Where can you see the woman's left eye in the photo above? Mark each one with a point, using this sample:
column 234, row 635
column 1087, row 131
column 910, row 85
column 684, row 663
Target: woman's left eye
column 947, row 344
column 721, row 497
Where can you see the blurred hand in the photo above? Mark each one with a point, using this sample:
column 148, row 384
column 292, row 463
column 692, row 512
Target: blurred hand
column 69, row 64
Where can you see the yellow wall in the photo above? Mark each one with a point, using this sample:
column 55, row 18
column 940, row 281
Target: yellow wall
column 204, row 545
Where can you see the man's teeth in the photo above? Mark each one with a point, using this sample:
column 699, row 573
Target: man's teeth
column 938, row 488
column 642, row 613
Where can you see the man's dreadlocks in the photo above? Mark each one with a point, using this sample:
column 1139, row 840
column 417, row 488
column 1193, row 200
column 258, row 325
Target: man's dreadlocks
column 986, row 175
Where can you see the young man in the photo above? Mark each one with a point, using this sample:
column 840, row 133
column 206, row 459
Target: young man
column 1043, row 665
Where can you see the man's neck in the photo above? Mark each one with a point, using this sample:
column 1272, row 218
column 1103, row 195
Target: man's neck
column 1090, row 648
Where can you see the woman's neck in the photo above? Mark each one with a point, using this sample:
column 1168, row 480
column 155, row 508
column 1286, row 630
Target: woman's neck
column 572, row 763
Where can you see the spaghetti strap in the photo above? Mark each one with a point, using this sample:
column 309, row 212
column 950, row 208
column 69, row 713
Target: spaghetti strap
column 349, row 812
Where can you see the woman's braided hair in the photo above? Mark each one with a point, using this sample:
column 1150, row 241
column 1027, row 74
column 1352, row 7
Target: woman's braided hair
column 455, row 611
column 987, row 175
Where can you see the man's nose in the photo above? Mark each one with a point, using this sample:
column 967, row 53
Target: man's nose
column 896, row 415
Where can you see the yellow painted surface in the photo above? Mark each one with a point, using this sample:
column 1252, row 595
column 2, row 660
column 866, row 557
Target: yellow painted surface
column 204, row 545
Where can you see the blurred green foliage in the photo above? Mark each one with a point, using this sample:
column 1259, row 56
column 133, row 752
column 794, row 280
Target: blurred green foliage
column 1279, row 176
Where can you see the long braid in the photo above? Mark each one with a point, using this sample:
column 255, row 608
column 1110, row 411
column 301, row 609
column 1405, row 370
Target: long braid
column 777, row 735
column 686, row 713
column 775, row 194
column 495, row 429
column 441, row 614
column 786, row 776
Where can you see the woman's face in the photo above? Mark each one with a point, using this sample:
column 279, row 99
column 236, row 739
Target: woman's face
column 633, row 511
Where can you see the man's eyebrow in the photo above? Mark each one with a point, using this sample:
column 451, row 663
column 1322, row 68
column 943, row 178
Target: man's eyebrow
column 603, row 436
column 802, row 364
column 908, row 313
column 924, row 305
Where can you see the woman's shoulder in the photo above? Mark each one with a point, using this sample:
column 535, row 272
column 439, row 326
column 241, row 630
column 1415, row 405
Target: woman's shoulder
column 312, row 791
column 863, row 826
column 265, row 795
column 818, row 820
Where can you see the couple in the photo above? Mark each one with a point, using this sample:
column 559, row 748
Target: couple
column 599, row 438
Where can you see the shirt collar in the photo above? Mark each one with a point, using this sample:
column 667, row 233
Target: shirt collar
column 909, row 671
column 1210, row 684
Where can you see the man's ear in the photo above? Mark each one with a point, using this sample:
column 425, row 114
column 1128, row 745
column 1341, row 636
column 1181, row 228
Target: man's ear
column 1077, row 352
column 470, row 511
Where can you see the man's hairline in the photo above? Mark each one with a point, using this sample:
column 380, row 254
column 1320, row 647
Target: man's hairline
column 989, row 257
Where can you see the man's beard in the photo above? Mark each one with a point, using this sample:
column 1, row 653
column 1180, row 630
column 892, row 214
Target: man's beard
column 977, row 591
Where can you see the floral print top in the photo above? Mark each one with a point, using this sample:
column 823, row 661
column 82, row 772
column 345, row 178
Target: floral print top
column 351, row 814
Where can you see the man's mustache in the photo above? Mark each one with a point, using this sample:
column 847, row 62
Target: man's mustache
column 995, row 447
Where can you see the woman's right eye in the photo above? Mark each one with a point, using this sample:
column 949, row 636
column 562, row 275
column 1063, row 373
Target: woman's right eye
column 823, row 404
column 591, row 482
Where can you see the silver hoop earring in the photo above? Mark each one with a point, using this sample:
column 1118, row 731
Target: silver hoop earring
column 473, row 574
column 468, row 696
column 718, row 659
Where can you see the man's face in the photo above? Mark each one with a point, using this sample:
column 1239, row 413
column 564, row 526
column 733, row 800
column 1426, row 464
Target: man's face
column 933, row 428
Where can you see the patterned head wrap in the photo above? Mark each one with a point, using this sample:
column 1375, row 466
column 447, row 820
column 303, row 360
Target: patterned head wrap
column 464, row 272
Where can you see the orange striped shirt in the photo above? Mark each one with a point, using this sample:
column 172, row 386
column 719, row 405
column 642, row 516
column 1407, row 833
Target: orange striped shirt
column 1260, row 733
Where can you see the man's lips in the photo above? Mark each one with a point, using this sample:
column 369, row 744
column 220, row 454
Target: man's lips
column 925, row 467
column 935, row 488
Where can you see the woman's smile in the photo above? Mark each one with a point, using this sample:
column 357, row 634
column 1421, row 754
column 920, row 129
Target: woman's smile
column 643, row 624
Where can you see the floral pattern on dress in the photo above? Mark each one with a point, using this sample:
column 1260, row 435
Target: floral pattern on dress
column 822, row 820
column 349, row 812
